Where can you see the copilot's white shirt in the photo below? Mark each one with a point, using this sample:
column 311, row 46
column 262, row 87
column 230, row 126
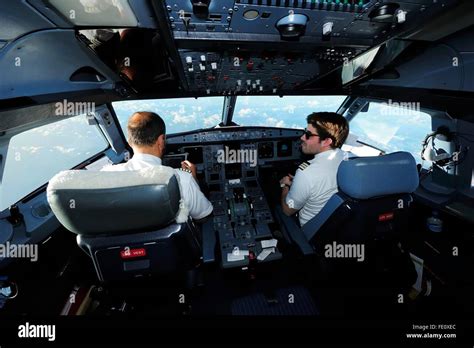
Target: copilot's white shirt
column 197, row 204
column 315, row 184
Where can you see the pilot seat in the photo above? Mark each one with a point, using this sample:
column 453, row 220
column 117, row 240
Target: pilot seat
column 132, row 224
column 371, row 210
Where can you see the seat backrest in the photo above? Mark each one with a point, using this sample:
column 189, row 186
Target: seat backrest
column 371, row 177
column 370, row 209
column 91, row 202
column 131, row 223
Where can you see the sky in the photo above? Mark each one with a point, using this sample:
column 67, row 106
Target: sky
column 38, row 154
column 272, row 111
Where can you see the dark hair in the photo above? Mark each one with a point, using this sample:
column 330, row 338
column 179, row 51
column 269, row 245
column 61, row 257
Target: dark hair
column 144, row 128
column 330, row 125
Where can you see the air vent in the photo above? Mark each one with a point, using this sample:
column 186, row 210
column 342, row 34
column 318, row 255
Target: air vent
column 41, row 210
column 87, row 74
column 323, row 5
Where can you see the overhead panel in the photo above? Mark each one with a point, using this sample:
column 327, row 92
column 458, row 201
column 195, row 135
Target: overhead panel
column 245, row 72
column 243, row 46
column 184, row 16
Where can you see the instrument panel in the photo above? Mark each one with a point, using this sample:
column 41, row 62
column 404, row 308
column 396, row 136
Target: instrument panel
column 228, row 161
column 233, row 133
column 243, row 150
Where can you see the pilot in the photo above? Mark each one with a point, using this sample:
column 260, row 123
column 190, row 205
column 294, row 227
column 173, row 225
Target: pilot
column 147, row 137
column 315, row 181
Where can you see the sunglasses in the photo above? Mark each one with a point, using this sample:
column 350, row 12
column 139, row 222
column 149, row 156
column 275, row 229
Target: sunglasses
column 308, row 134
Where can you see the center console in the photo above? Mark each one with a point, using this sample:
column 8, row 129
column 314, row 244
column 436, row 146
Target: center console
column 241, row 212
column 241, row 220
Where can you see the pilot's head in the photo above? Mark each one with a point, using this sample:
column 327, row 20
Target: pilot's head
column 147, row 133
column 325, row 131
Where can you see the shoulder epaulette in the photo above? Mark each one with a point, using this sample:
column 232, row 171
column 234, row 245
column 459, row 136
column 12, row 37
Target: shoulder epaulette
column 304, row 165
column 185, row 170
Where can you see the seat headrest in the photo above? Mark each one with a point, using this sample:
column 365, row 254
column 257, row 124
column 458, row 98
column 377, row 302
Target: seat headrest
column 92, row 202
column 368, row 177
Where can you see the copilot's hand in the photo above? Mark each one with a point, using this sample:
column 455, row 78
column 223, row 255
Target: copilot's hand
column 287, row 180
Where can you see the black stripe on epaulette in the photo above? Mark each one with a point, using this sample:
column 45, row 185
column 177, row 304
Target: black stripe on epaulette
column 304, row 165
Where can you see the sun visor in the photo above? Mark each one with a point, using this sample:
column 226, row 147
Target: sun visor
column 44, row 66
column 116, row 13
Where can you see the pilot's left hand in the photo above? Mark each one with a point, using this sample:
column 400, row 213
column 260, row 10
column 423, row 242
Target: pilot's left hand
column 188, row 166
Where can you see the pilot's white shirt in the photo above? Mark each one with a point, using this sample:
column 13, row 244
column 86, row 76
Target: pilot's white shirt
column 314, row 184
column 198, row 205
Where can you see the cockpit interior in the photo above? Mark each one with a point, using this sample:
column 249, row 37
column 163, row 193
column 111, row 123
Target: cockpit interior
column 234, row 81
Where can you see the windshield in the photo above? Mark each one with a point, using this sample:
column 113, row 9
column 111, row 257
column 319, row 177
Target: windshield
column 392, row 127
column 36, row 155
column 179, row 114
column 289, row 111
column 186, row 114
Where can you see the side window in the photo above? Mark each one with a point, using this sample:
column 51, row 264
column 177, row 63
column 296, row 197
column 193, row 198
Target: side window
column 392, row 127
column 36, row 155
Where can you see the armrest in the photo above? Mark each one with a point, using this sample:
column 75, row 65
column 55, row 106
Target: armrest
column 310, row 229
column 293, row 232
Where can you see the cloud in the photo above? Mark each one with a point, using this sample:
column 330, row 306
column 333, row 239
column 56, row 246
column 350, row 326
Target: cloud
column 31, row 149
column 64, row 150
column 47, row 130
column 289, row 108
column 312, row 103
column 273, row 122
column 212, row 120
column 246, row 112
column 245, row 100
column 132, row 106
column 181, row 119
